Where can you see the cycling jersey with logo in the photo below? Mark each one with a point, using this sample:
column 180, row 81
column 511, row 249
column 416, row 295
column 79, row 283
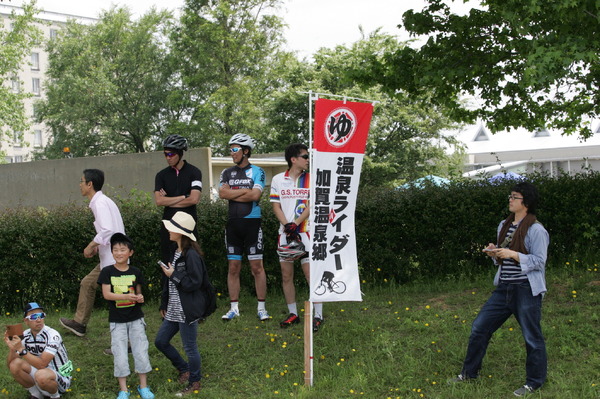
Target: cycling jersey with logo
column 47, row 340
column 292, row 196
column 238, row 178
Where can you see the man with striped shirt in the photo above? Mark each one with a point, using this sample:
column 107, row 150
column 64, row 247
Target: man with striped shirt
column 39, row 360
column 520, row 254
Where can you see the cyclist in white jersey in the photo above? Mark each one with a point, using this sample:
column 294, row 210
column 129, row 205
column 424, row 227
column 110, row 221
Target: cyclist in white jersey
column 289, row 195
column 38, row 361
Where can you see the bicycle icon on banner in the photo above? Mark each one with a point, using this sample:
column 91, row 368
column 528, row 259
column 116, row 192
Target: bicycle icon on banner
column 327, row 283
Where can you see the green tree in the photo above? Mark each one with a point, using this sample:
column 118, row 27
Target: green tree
column 228, row 52
column 532, row 63
column 108, row 85
column 16, row 41
column 406, row 139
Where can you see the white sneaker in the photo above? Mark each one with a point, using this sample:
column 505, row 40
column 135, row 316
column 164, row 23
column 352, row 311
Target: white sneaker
column 263, row 315
column 230, row 315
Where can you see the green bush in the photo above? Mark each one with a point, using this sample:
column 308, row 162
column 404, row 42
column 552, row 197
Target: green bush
column 438, row 232
column 402, row 235
column 43, row 255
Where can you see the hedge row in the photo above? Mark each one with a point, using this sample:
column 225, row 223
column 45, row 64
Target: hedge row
column 403, row 235
column 435, row 232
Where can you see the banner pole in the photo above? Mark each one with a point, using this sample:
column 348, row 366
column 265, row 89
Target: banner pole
column 308, row 332
column 308, row 349
column 311, row 97
column 310, row 129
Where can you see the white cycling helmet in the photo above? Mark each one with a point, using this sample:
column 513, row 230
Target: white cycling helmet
column 291, row 251
column 242, row 139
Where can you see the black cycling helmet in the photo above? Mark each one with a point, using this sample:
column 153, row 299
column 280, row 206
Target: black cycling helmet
column 176, row 142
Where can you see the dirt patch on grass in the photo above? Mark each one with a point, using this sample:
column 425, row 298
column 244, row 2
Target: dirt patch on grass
column 559, row 289
column 439, row 302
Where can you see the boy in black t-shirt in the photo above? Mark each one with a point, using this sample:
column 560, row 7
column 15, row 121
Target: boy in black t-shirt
column 122, row 288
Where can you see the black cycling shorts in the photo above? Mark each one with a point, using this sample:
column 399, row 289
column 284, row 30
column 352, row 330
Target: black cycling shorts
column 244, row 235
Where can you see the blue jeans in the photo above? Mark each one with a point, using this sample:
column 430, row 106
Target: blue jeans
column 188, row 333
column 506, row 300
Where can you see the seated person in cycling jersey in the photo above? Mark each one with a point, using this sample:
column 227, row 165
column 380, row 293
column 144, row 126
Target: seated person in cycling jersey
column 38, row 361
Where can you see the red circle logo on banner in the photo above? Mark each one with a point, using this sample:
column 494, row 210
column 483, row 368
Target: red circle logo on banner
column 340, row 126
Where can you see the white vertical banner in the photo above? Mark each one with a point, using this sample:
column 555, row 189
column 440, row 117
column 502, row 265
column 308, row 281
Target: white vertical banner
column 340, row 136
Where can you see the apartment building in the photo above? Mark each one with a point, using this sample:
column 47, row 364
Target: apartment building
column 20, row 146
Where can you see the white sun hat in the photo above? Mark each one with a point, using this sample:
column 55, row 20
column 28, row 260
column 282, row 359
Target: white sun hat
column 182, row 223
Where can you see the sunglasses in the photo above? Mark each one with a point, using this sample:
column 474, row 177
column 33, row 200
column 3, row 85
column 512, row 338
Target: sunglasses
column 235, row 150
column 170, row 154
column 305, row 156
column 35, row 316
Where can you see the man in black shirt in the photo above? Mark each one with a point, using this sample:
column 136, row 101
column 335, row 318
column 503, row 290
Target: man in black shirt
column 177, row 187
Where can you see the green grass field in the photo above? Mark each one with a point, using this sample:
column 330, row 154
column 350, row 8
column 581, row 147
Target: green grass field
column 400, row 342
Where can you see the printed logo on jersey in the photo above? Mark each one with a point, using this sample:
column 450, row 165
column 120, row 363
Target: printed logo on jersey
column 299, row 209
column 340, row 126
column 295, row 193
column 240, row 183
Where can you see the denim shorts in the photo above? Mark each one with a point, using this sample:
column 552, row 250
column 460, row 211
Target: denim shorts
column 135, row 333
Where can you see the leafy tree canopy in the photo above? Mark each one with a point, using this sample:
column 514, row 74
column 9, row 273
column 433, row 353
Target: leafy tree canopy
column 532, row 63
column 108, row 84
column 406, row 139
column 229, row 54
column 16, row 41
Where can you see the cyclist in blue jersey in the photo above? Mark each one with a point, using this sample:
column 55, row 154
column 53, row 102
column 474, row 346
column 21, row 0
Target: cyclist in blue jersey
column 242, row 185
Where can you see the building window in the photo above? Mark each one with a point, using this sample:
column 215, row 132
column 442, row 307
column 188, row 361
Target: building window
column 16, row 84
column 53, row 33
column 37, row 138
column 35, row 86
column 16, row 159
column 481, row 135
column 17, row 136
column 35, row 61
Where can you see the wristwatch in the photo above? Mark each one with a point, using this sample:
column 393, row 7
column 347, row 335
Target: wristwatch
column 23, row 352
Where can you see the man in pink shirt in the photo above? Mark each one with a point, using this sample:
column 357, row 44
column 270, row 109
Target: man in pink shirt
column 107, row 221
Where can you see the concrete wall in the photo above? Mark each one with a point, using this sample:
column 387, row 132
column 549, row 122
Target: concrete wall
column 55, row 182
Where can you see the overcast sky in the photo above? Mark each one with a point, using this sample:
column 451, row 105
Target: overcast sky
column 312, row 24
